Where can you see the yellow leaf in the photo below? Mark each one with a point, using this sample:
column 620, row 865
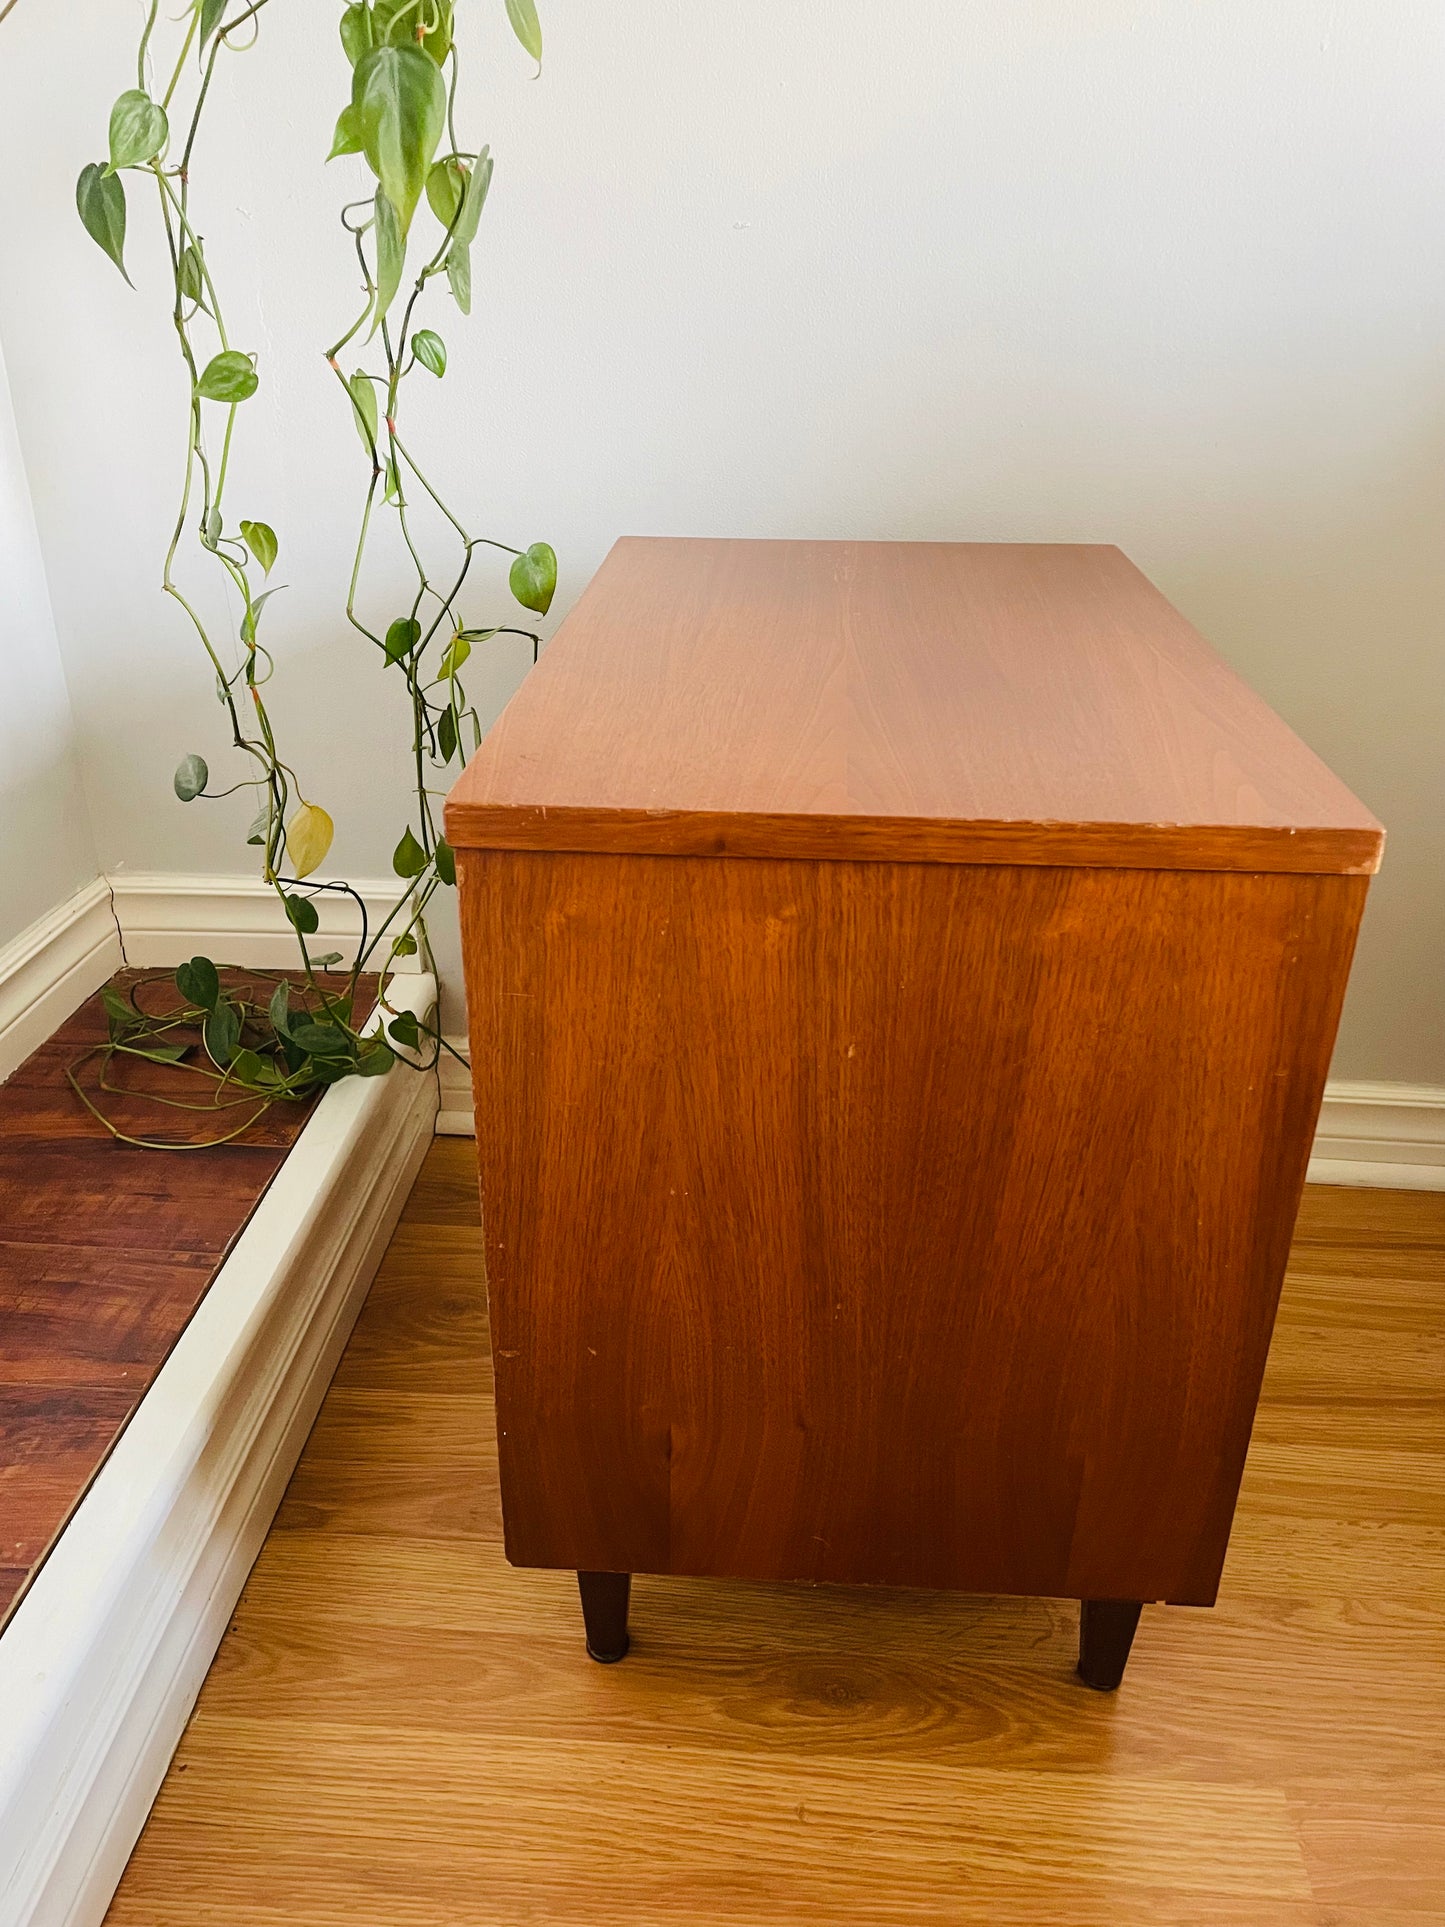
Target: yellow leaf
column 308, row 838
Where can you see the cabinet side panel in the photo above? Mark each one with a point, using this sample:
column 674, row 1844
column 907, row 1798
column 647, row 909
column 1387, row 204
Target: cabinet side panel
column 577, row 1154
column 901, row 1224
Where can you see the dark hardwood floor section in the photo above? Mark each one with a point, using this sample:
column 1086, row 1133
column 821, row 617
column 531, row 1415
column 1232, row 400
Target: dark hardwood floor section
column 401, row 1730
column 105, row 1252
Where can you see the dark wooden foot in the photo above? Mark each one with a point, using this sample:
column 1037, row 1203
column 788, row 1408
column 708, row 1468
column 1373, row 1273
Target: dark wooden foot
column 604, row 1613
column 1106, row 1632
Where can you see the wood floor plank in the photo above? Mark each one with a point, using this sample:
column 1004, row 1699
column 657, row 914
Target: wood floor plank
column 719, row 1666
column 105, row 1251
column 549, row 1830
column 402, row 1729
column 82, row 1191
column 445, row 1194
column 1346, row 1221
column 13, row 1580
column 1375, row 1854
column 313, row 1884
column 408, row 1498
column 77, row 1314
column 424, row 1324
column 377, row 1427
column 52, row 1438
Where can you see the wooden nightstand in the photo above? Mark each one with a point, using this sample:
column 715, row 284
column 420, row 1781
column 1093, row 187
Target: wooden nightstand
column 902, row 978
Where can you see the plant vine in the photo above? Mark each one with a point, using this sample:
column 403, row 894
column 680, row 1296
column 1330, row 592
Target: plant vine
column 401, row 117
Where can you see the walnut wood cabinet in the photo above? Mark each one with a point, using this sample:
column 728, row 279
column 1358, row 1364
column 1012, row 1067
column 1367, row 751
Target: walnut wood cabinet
column 901, row 981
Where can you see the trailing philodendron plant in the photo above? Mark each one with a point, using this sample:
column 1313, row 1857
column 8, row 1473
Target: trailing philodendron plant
column 412, row 234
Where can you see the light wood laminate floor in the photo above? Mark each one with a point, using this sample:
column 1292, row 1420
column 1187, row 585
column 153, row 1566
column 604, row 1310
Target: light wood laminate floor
column 401, row 1731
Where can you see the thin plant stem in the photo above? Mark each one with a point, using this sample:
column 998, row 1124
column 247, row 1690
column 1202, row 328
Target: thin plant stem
column 250, row 1056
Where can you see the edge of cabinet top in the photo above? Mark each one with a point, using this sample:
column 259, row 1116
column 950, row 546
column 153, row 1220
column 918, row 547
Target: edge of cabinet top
column 949, row 702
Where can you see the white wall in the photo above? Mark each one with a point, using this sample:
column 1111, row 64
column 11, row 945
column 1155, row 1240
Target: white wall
column 1140, row 270
column 46, row 848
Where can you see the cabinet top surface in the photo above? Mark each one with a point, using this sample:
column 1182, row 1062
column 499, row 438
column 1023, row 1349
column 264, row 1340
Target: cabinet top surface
column 964, row 702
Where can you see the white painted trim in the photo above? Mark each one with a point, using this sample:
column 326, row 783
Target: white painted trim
column 102, row 1661
column 49, row 970
column 159, row 920
column 455, row 1118
column 1390, row 1136
column 164, row 919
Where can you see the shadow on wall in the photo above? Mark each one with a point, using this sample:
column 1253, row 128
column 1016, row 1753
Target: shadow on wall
column 46, row 852
column 1334, row 608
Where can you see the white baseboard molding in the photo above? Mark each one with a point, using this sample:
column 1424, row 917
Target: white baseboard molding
column 49, row 970
column 1386, row 1136
column 158, row 921
column 165, row 919
column 102, row 1661
column 455, row 1118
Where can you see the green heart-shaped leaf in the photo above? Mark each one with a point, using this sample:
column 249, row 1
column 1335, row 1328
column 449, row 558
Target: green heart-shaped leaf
column 156, row 1051
column 279, row 1008
column 401, row 638
column 430, row 350
column 456, row 191
column 191, row 777
column 253, row 614
column 122, row 1014
column 100, row 201
column 189, row 276
column 199, row 982
column 405, row 1029
column 400, row 100
column 533, row 578
column 459, row 275
column 303, row 914
column 408, row 859
column 260, row 539
column 229, row 376
column 455, row 654
column 247, row 1068
column 356, row 35
column 322, row 1040
column 479, row 180
column 364, row 407
column 348, row 138
column 526, row 26
column 446, row 187
column 221, row 1033
column 138, row 130
column 390, row 257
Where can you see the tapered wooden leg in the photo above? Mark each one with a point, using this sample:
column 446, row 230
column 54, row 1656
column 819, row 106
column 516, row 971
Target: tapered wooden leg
column 1106, row 1632
column 604, row 1613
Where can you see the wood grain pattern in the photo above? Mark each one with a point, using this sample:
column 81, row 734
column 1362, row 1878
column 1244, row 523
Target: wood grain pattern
column 401, row 1728
column 947, row 702
column 76, row 1314
column 105, row 1252
column 833, row 1232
